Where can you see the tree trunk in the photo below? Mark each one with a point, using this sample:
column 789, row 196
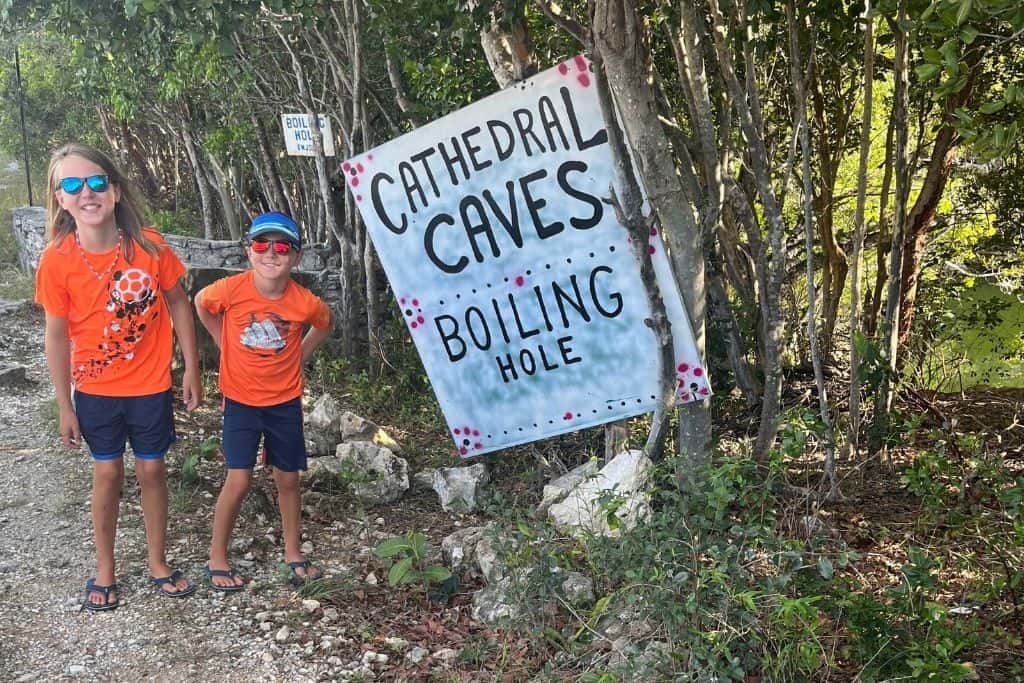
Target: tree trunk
column 616, row 30
column 278, row 197
column 920, row 222
column 508, row 49
column 853, row 425
column 799, row 103
column 746, row 102
column 227, row 202
column 890, row 328
column 200, row 175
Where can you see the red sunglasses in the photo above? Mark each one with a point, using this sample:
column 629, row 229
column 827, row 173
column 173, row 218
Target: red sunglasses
column 282, row 247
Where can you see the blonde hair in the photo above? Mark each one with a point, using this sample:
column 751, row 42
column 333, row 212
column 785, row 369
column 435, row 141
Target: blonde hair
column 128, row 212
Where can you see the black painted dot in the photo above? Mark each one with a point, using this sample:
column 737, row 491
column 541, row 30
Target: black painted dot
column 639, row 400
column 611, row 248
column 534, row 425
column 488, row 285
column 506, row 279
column 653, row 397
column 419, row 310
column 609, row 407
column 474, row 291
column 441, row 302
column 568, row 260
column 578, row 415
column 504, row 432
column 529, row 272
column 408, row 311
column 520, row 429
column 591, row 254
column 488, row 436
column 547, row 266
column 465, row 442
column 594, row 411
column 458, row 296
column 551, row 422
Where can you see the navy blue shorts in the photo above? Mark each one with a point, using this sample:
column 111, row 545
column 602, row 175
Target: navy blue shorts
column 108, row 421
column 279, row 425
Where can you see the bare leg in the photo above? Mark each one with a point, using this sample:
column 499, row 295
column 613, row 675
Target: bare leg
column 289, row 499
column 229, row 502
column 152, row 476
column 107, row 477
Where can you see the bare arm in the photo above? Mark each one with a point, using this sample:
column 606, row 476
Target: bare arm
column 58, row 358
column 212, row 322
column 314, row 338
column 185, row 330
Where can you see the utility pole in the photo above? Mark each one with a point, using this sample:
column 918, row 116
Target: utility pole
column 24, row 135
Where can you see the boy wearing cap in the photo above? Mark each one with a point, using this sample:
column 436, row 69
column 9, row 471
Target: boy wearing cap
column 258, row 320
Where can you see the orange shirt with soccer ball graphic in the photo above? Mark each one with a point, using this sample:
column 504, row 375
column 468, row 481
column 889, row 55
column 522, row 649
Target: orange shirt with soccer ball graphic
column 261, row 338
column 118, row 323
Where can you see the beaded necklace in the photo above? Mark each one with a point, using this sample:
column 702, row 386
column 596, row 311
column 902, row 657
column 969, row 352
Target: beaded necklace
column 117, row 254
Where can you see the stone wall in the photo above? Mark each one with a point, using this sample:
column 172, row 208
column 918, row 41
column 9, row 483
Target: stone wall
column 30, row 228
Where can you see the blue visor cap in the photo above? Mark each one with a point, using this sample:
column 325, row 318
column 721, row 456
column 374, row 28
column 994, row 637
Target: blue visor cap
column 276, row 222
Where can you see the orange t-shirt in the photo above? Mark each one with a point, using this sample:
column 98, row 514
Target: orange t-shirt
column 119, row 326
column 260, row 338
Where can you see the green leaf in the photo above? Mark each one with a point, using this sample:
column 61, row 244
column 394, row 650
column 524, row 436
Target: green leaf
column 399, row 572
column 825, row 567
column 992, row 107
column 969, row 34
column 436, row 574
column 391, row 547
column 964, row 12
column 927, row 72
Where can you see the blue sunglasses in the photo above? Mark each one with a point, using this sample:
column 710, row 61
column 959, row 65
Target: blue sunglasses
column 73, row 185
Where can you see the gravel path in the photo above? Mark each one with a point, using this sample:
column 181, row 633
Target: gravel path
column 266, row 633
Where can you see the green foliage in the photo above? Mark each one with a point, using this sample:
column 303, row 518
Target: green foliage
column 408, row 559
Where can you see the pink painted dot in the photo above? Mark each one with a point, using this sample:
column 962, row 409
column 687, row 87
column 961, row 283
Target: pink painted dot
column 355, row 182
column 401, row 300
column 654, row 231
column 584, row 80
column 359, row 167
column 467, row 430
column 414, row 325
column 457, row 431
column 476, row 432
column 345, row 166
column 563, row 69
column 415, row 302
column 683, row 367
column 697, row 372
column 685, row 396
column 680, row 383
column 704, row 391
column 520, row 280
column 359, row 197
column 567, row 416
column 370, row 157
column 651, row 249
column 420, row 319
column 478, row 445
column 463, row 450
column 581, row 63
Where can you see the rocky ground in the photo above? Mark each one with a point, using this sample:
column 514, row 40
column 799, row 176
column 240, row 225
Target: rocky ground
column 349, row 627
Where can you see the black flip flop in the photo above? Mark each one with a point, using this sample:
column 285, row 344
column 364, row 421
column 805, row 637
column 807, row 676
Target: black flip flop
column 175, row 576
column 92, row 587
column 298, row 579
column 229, row 573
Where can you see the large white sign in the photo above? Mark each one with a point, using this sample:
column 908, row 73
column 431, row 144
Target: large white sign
column 299, row 140
column 516, row 280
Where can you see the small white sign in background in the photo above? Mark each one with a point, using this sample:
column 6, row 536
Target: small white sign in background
column 516, row 280
column 299, row 140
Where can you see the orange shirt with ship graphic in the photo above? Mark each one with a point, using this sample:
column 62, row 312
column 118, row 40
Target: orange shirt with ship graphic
column 261, row 338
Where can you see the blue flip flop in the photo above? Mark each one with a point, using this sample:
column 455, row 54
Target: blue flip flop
column 175, row 576
column 92, row 587
column 229, row 573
